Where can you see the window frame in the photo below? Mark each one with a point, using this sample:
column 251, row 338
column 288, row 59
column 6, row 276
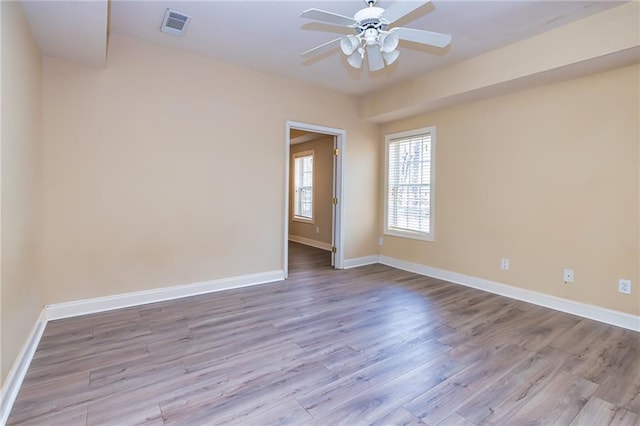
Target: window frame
column 294, row 216
column 402, row 233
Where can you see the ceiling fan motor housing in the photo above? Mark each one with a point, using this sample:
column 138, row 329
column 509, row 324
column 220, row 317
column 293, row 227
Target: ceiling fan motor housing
column 369, row 16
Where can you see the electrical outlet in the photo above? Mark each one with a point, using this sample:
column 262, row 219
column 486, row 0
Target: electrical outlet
column 504, row 264
column 568, row 276
column 317, row 229
column 624, row 286
column 380, row 241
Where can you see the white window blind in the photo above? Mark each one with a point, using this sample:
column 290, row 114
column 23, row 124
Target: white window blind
column 409, row 189
column 303, row 182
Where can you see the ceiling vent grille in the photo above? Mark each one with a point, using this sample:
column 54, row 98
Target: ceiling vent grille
column 175, row 22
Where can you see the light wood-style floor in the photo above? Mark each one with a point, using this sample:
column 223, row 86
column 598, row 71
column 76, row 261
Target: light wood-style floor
column 371, row 345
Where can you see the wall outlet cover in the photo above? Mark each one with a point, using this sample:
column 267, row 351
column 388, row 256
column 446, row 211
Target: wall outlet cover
column 624, row 286
column 568, row 276
column 504, row 264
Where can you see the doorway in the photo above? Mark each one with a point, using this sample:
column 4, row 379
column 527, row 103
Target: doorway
column 314, row 229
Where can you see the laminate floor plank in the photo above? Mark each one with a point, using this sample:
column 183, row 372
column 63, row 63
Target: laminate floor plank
column 621, row 383
column 357, row 361
column 111, row 354
column 244, row 397
column 323, row 400
column 599, row 412
column 368, row 345
column 580, row 337
column 456, row 420
column 144, row 414
column 289, row 412
column 504, row 398
column 379, row 401
column 35, row 402
column 74, row 416
column 498, row 323
column 399, row 417
column 562, row 398
column 441, row 401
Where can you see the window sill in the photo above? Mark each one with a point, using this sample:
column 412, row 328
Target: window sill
column 410, row 235
column 303, row 220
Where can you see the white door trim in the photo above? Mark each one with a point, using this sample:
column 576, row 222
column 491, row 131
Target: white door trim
column 338, row 231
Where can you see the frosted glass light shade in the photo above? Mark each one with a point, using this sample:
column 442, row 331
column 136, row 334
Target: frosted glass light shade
column 389, row 42
column 390, row 57
column 355, row 60
column 349, row 44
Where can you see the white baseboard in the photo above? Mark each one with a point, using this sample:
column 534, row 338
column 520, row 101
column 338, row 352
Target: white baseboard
column 14, row 380
column 361, row 261
column 309, row 242
column 18, row 371
column 100, row 304
column 608, row 316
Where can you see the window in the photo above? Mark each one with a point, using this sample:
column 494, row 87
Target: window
column 409, row 184
column 303, row 186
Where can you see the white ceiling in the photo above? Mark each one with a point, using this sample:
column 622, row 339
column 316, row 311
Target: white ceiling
column 75, row 30
column 269, row 35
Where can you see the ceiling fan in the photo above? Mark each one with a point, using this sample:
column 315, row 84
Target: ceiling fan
column 372, row 35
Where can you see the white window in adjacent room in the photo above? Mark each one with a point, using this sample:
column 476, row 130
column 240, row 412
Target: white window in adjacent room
column 303, row 186
column 409, row 188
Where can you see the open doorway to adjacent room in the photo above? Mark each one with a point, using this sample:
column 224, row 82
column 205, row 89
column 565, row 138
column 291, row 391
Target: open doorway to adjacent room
column 313, row 210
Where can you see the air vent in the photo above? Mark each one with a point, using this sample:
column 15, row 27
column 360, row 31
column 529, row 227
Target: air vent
column 175, row 22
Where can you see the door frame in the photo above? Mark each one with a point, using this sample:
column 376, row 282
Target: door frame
column 338, row 184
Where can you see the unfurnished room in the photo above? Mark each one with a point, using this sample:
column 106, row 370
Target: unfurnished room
column 320, row 212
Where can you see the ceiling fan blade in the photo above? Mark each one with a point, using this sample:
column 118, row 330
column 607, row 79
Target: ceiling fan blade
column 328, row 17
column 322, row 48
column 374, row 56
column 401, row 8
column 422, row 36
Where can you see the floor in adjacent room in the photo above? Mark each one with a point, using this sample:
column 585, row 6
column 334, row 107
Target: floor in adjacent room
column 369, row 345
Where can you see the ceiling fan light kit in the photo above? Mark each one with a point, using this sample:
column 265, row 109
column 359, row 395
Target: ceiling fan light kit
column 388, row 41
column 349, row 44
column 372, row 38
column 390, row 57
column 356, row 59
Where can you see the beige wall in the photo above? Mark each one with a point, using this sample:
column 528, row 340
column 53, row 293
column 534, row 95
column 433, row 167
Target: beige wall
column 605, row 40
column 546, row 177
column 149, row 183
column 22, row 294
column 323, row 191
